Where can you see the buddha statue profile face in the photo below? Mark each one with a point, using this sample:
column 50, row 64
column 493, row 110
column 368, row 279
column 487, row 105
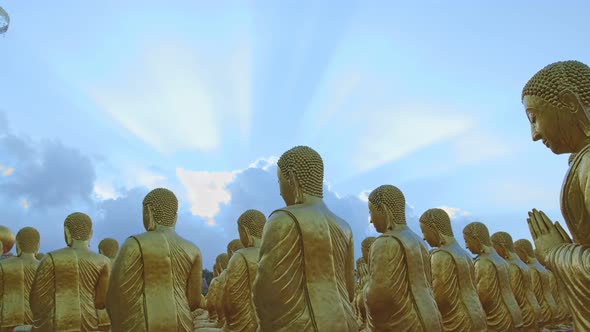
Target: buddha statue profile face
column 387, row 208
column 27, row 241
column 300, row 172
column 557, row 104
column 379, row 218
column 435, row 225
column 430, row 235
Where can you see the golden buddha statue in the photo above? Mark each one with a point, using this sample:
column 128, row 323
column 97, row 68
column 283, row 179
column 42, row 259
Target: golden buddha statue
column 398, row 293
column 557, row 103
column 70, row 284
column 362, row 269
column 156, row 278
column 7, row 241
column 39, row 256
column 564, row 317
column 215, row 295
column 520, row 279
column 109, row 248
column 453, row 275
column 492, row 273
column 16, row 278
column 233, row 246
column 540, row 282
column 305, row 278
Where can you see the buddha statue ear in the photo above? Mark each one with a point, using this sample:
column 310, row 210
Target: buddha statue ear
column 575, row 106
column 388, row 218
column 149, row 223
column 68, row 236
column 297, row 192
column 18, row 250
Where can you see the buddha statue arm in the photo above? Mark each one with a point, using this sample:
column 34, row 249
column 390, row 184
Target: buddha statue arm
column 41, row 297
column 426, row 264
column 444, row 278
column 102, row 286
column 195, row 283
column 237, row 290
column 485, row 275
column 350, row 270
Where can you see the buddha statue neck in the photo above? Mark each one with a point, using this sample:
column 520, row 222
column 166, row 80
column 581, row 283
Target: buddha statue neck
column 27, row 256
column 80, row 244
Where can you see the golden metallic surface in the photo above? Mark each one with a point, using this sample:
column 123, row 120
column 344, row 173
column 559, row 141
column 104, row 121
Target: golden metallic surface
column 7, row 239
column 362, row 270
column 215, row 295
column 305, row 277
column 109, row 248
column 492, row 273
column 520, row 279
column 39, row 256
column 70, row 284
column 156, row 278
column 16, row 279
column 453, row 275
column 557, row 104
column 398, row 294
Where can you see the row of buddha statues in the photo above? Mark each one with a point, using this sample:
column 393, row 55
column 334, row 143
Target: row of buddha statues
column 295, row 270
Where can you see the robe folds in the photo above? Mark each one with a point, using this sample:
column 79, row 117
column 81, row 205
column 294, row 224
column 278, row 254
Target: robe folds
column 16, row 280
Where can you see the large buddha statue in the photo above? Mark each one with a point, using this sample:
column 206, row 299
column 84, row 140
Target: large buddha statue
column 215, row 295
column 109, row 248
column 453, row 275
column 557, row 103
column 398, row 293
column 305, row 278
column 492, row 274
column 6, row 240
column 520, row 279
column 564, row 316
column 70, row 284
column 156, row 278
column 540, row 282
column 362, row 268
column 16, row 278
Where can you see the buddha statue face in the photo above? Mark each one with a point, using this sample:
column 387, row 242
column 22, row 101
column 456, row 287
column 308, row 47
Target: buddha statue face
column 379, row 218
column 472, row 244
column 430, row 235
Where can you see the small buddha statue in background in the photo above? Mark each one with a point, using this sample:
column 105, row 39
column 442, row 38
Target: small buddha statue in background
column 362, row 268
column 215, row 295
column 233, row 246
column 540, row 282
column 492, row 273
column 453, row 275
column 16, row 279
column 520, row 279
column 109, row 248
column 7, row 241
column 70, row 284
column 398, row 294
column 157, row 275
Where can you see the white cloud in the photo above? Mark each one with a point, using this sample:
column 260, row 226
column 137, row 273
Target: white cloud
column 105, row 190
column 240, row 67
column 454, row 212
column 24, row 204
column 264, row 163
column 364, row 195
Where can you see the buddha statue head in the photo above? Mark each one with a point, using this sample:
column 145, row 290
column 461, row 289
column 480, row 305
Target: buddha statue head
column 250, row 226
column 160, row 207
column 221, row 261
column 503, row 244
column 233, row 246
column 387, row 208
column 436, row 227
column 27, row 241
column 477, row 237
column 108, row 247
column 77, row 229
column 6, row 238
column 366, row 247
column 524, row 250
column 557, row 103
column 301, row 175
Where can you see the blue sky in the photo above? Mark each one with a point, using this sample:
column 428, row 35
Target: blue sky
column 102, row 102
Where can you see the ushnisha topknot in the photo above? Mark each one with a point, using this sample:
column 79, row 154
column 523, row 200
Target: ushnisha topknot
column 478, row 231
column 109, row 247
column 557, row 77
column 503, row 239
column 438, row 220
column 393, row 199
column 253, row 221
column 79, row 225
column 28, row 239
column 163, row 204
column 307, row 166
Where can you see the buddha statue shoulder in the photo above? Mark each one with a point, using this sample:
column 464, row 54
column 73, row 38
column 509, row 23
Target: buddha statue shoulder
column 305, row 277
column 156, row 277
column 16, row 279
column 557, row 104
column 453, row 275
column 398, row 294
column 70, row 284
column 520, row 280
column 492, row 273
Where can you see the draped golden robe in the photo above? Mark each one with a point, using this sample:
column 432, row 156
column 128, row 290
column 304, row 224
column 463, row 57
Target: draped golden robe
column 520, row 279
column 453, row 284
column 68, row 288
column 16, row 280
column 359, row 300
column 398, row 295
column 305, row 279
column 542, row 289
column 495, row 293
column 155, row 284
column 212, row 294
column 238, row 307
column 563, row 312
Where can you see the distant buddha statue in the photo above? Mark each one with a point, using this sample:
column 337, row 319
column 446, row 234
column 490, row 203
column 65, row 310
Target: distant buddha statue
column 233, row 246
column 16, row 278
column 557, row 103
column 109, row 248
column 453, row 275
column 157, row 275
column 70, row 284
column 540, row 281
column 305, row 278
column 492, row 273
column 362, row 269
column 7, row 241
column 398, row 294
column 39, row 256
column 215, row 295
column 520, row 279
